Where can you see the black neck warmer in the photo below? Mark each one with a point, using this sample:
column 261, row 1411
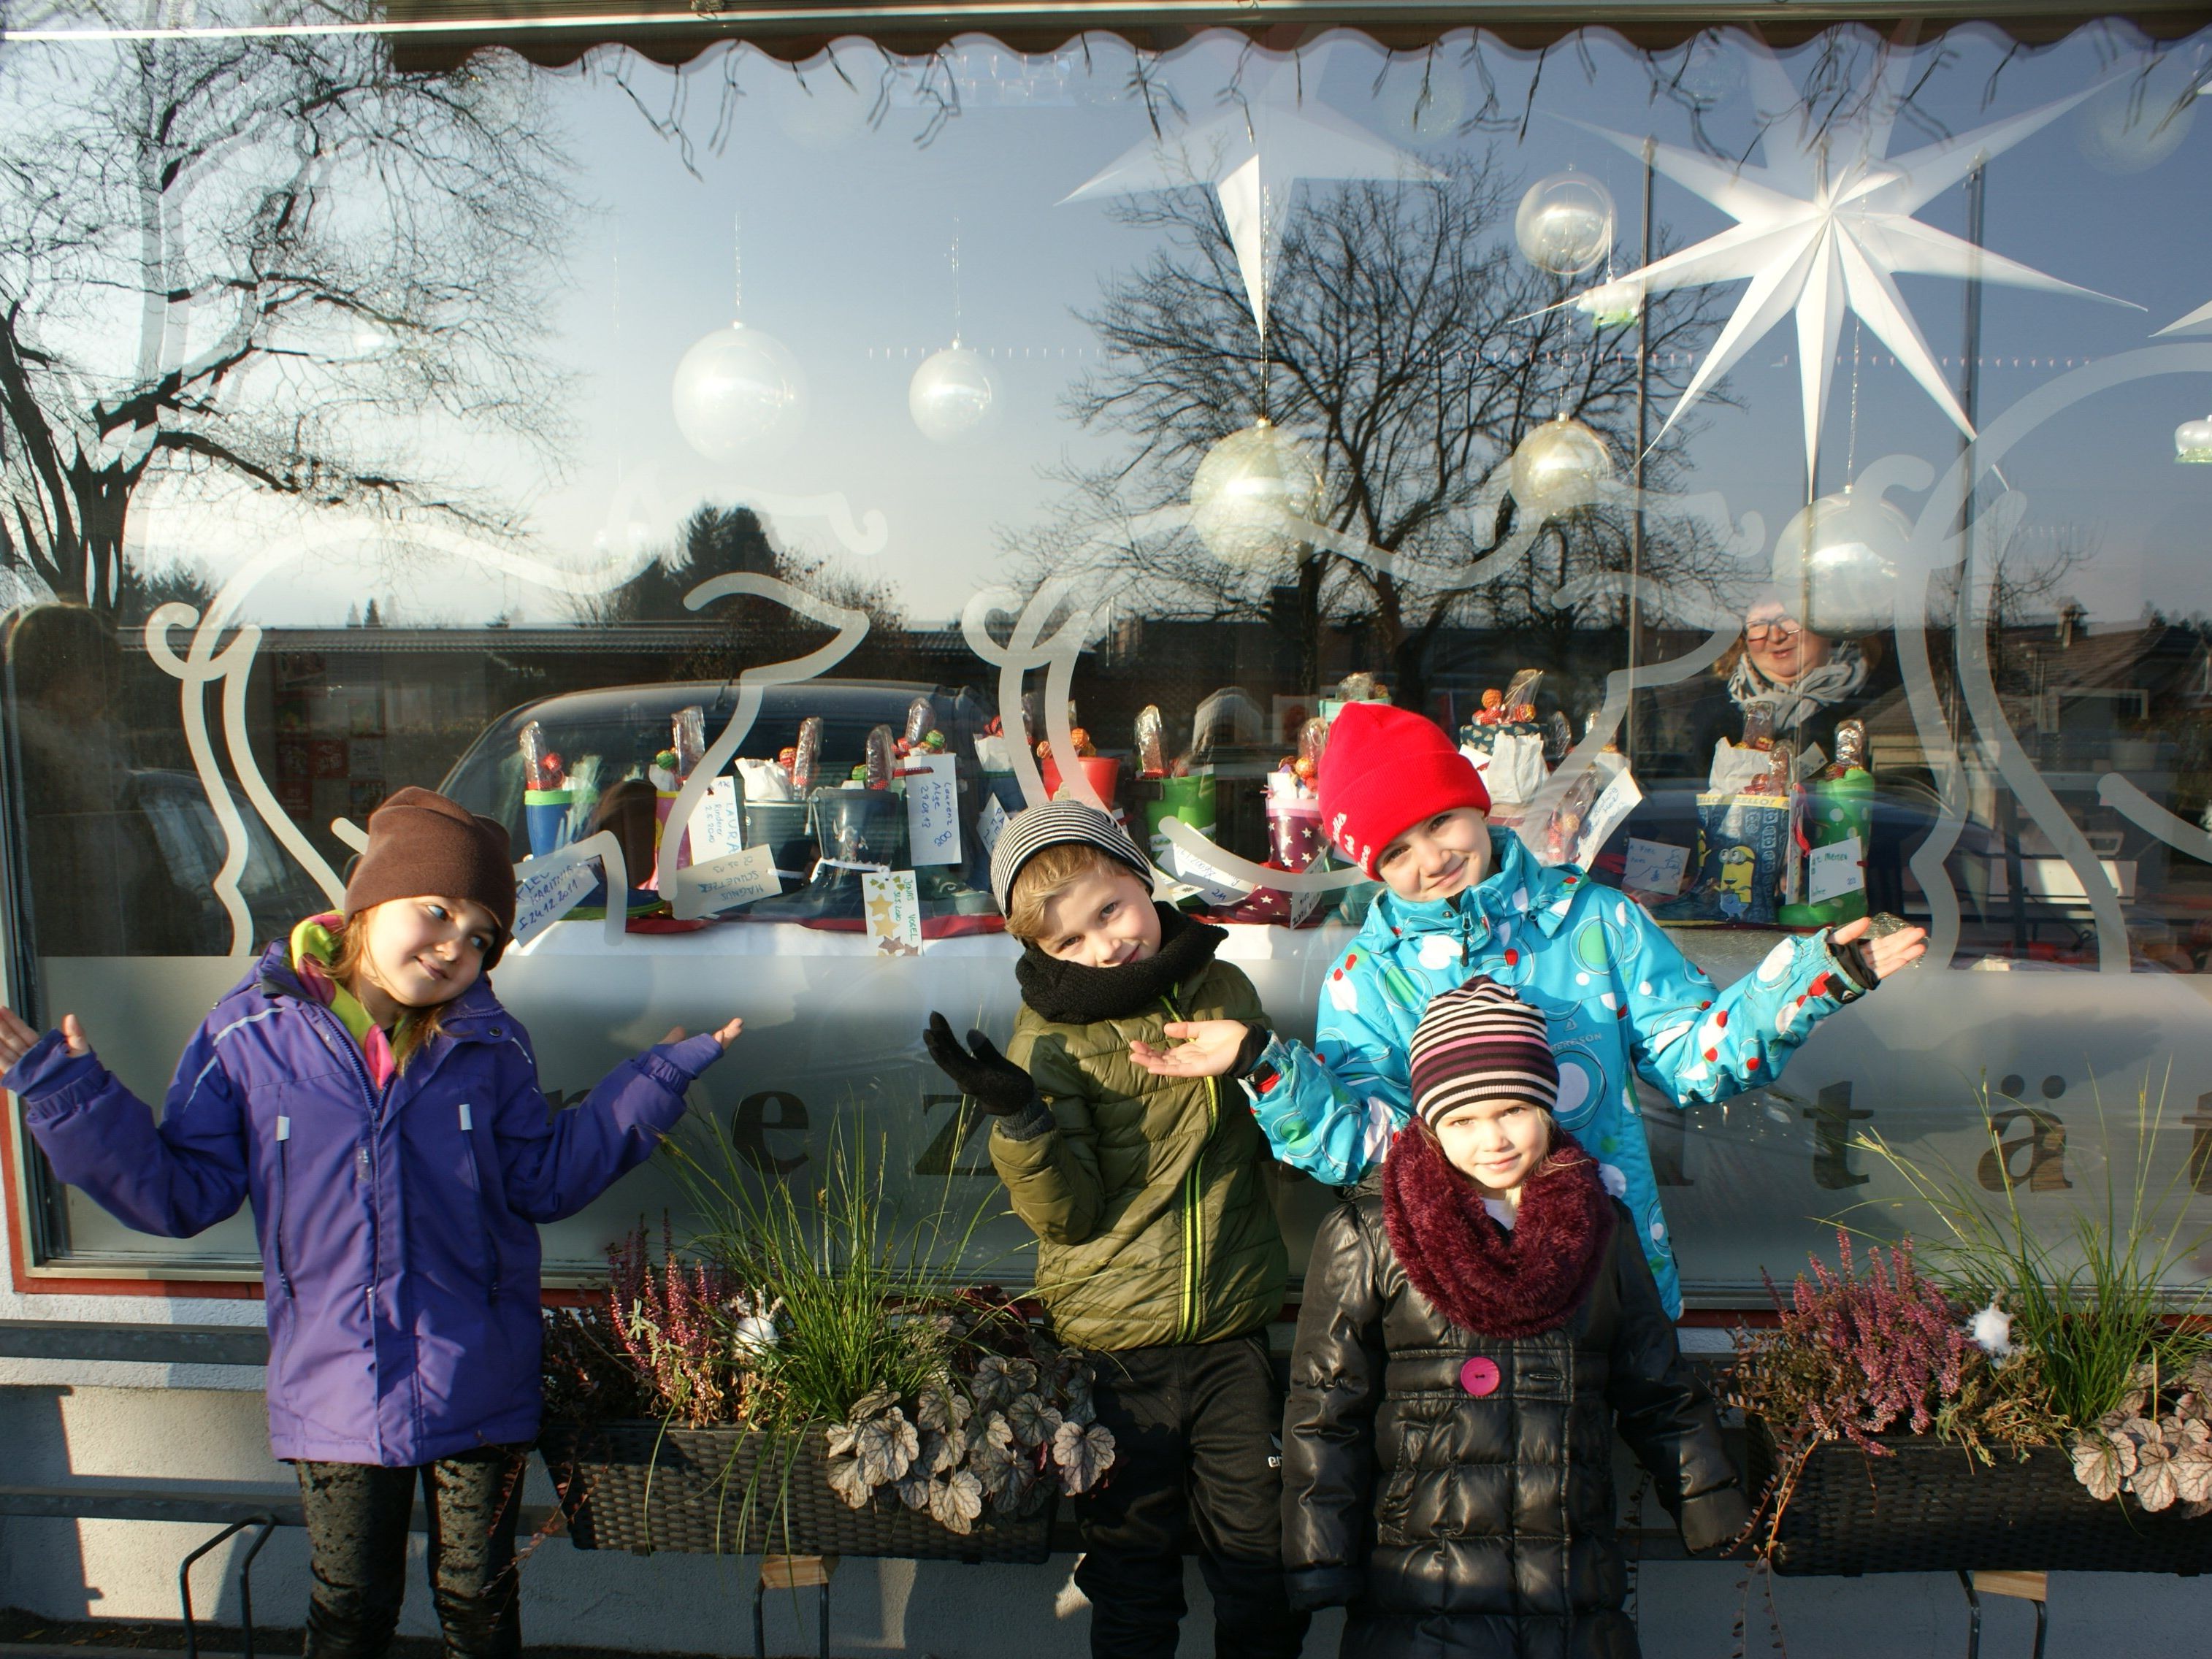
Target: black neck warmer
column 1070, row 994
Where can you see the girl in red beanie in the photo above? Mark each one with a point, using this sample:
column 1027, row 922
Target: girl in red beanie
column 1400, row 801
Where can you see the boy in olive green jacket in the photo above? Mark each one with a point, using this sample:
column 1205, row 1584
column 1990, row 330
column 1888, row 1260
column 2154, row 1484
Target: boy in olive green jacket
column 1157, row 1248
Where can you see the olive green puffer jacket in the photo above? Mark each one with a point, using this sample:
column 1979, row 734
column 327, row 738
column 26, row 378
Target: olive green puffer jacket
column 1150, row 1196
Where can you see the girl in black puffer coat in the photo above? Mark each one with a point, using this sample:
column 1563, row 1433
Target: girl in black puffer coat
column 1471, row 1330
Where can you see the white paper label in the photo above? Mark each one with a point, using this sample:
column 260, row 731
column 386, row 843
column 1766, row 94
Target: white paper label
column 543, row 899
column 893, row 904
column 734, row 878
column 988, row 825
column 932, row 808
column 1833, row 871
column 1614, row 802
column 1654, row 867
column 717, row 828
column 1218, row 886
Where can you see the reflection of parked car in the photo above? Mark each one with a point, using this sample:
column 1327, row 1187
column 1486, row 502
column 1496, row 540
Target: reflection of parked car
column 189, row 841
column 612, row 735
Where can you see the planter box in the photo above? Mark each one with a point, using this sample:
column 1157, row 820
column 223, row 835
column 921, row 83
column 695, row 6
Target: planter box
column 1932, row 1507
column 637, row 1486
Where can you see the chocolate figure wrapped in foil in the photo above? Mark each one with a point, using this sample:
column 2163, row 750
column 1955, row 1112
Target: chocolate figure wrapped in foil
column 807, row 756
column 688, row 729
column 882, row 758
column 1151, row 747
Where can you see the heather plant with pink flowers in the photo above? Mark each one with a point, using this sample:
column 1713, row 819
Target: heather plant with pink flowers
column 1854, row 1355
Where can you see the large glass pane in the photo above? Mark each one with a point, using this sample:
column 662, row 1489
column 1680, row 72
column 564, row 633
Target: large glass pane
column 1093, row 422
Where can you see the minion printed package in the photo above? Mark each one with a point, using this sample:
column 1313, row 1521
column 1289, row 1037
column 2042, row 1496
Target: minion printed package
column 1742, row 840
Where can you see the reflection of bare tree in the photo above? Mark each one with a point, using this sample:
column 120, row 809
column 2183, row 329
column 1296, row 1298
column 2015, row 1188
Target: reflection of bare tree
column 276, row 265
column 2021, row 583
column 1414, row 349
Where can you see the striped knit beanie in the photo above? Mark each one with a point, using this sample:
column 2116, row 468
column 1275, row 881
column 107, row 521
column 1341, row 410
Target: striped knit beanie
column 1480, row 1042
column 1033, row 829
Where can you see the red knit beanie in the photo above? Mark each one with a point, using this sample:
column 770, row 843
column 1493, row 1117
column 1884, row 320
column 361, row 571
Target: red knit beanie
column 419, row 842
column 1385, row 770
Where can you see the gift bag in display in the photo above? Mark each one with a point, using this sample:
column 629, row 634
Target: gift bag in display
column 1835, row 823
column 1742, row 845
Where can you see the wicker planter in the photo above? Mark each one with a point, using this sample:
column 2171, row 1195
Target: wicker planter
column 1932, row 1507
column 637, row 1486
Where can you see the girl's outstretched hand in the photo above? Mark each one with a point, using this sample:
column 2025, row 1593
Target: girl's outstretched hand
column 17, row 1039
column 1204, row 1048
column 725, row 1036
column 1889, row 954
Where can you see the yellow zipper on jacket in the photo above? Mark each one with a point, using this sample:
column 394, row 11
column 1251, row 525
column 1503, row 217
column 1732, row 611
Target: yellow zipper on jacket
column 1193, row 1211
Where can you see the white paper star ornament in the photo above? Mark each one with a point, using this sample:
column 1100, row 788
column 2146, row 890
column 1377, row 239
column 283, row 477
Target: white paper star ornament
column 1824, row 228
column 1253, row 156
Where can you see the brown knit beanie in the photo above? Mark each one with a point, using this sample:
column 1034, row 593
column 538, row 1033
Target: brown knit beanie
column 421, row 843
column 1479, row 1042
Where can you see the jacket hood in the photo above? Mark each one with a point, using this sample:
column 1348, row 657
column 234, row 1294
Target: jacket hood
column 1517, row 885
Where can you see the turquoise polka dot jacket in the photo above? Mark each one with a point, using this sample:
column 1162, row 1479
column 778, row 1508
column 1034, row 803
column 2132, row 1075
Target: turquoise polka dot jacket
column 1614, row 990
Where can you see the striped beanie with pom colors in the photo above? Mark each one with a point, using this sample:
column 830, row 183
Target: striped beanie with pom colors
column 1480, row 1042
column 1033, row 829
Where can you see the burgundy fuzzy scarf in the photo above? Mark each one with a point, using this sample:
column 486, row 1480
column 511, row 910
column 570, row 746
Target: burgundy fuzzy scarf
column 1493, row 1280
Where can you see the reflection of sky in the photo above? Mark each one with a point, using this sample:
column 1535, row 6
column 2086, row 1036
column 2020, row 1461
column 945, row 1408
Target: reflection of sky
column 847, row 237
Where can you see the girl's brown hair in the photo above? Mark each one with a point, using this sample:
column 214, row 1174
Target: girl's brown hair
column 415, row 1026
column 1048, row 874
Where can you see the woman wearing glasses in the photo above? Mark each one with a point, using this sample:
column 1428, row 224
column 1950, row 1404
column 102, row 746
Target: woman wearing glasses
column 1806, row 681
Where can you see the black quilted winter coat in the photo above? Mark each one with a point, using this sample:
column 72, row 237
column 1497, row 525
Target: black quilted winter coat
column 1460, row 1527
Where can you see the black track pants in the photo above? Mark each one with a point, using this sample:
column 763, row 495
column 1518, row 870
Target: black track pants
column 357, row 1515
column 1197, row 1445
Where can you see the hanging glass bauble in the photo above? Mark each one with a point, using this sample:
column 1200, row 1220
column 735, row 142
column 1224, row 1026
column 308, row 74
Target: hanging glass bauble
column 951, row 395
column 1565, row 223
column 1559, row 465
column 2192, row 441
column 1423, row 101
column 1836, row 559
column 1612, row 305
column 1251, row 492
column 2139, row 118
column 737, row 389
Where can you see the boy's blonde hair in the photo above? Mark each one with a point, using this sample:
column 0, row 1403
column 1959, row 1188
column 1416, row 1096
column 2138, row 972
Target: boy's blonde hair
column 1048, row 874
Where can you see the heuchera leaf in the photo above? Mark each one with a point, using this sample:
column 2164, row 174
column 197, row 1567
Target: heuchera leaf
column 994, row 1383
column 957, row 1501
column 914, row 1491
column 2096, row 1466
column 2154, row 1482
column 1034, row 1422
column 885, row 1447
column 849, row 1483
column 1082, row 1453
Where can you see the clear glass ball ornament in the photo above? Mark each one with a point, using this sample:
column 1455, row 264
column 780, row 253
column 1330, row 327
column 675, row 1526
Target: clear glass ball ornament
column 2139, row 118
column 1423, row 100
column 2192, row 441
column 1837, row 558
column 1565, row 223
column 1559, row 465
column 1250, row 491
column 737, row 389
column 951, row 396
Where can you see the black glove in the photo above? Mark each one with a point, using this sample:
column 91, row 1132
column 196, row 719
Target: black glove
column 1857, row 967
column 1256, row 1038
column 985, row 1076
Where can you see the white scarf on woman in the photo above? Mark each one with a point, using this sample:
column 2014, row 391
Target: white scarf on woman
column 1834, row 680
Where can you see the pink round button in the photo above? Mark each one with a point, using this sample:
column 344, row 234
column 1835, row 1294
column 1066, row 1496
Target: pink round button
column 1480, row 1377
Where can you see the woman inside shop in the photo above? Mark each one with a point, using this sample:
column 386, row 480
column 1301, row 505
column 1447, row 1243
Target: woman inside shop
column 1806, row 681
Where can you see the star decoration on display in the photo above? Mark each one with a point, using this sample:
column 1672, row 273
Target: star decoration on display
column 1253, row 155
column 2201, row 316
column 1826, row 228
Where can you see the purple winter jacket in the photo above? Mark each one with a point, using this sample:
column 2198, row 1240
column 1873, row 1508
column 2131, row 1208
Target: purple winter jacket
column 398, row 1231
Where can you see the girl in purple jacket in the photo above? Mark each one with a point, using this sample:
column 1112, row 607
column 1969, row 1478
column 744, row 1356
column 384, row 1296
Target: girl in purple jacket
column 363, row 1088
